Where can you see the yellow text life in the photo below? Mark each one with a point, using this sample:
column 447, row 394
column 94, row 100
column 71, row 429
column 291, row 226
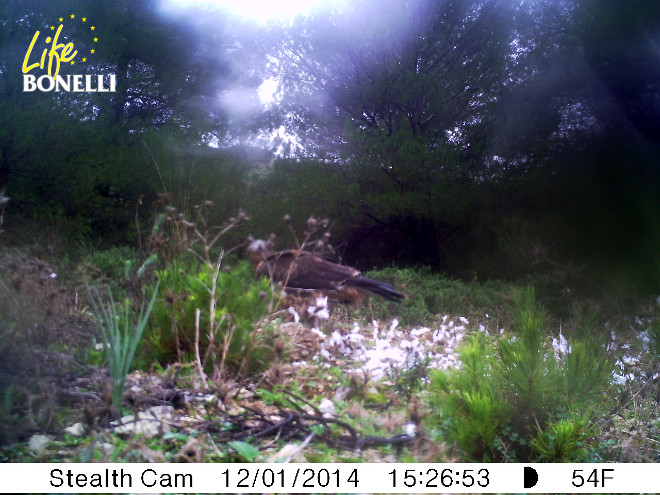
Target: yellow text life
column 64, row 56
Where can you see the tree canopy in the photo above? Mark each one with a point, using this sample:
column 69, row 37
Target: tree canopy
column 472, row 136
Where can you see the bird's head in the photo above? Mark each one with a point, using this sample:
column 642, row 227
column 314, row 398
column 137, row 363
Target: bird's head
column 259, row 250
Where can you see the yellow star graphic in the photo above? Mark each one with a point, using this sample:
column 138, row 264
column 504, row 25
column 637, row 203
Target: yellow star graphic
column 93, row 28
column 73, row 62
column 61, row 19
column 92, row 50
column 84, row 19
column 95, row 40
column 73, row 15
column 84, row 59
column 52, row 28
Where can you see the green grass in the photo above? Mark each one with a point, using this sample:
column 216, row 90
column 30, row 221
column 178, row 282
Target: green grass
column 429, row 295
column 122, row 331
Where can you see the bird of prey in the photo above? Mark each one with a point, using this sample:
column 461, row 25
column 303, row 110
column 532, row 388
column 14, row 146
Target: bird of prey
column 299, row 270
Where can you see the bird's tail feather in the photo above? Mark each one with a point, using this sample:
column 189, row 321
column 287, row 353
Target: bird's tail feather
column 376, row 287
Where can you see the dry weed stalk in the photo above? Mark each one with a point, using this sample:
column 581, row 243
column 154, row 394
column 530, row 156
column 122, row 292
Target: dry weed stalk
column 199, row 239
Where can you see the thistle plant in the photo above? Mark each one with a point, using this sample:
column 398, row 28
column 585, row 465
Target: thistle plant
column 210, row 313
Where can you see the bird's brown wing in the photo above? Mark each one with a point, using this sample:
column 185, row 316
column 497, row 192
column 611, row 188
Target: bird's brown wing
column 303, row 270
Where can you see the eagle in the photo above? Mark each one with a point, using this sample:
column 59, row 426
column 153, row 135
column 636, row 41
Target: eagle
column 299, row 270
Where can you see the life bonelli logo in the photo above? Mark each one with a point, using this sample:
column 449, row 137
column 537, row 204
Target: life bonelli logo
column 57, row 54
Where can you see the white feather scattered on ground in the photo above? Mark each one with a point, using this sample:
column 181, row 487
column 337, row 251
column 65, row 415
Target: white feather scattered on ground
column 374, row 351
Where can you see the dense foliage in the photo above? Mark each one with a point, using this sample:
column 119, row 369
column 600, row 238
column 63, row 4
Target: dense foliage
column 484, row 137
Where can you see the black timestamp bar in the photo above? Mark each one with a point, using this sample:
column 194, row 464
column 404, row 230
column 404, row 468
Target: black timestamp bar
column 330, row 478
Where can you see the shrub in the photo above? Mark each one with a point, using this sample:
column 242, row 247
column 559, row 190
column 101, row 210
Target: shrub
column 466, row 403
column 517, row 398
column 239, row 302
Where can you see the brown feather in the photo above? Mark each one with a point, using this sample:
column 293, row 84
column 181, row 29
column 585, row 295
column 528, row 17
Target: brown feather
column 305, row 271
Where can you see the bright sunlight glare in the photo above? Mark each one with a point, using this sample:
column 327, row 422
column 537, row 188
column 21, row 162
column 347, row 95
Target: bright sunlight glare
column 267, row 90
column 259, row 10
